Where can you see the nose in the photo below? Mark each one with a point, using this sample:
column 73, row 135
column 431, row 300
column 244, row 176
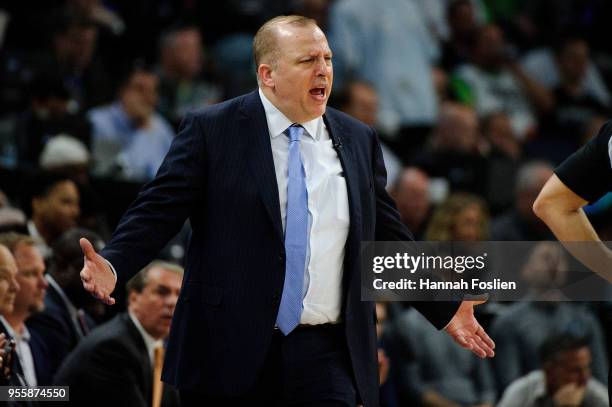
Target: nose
column 14, row 285
column 76, row 211
column 43, row 282
column 171, row 300
column 321, row 67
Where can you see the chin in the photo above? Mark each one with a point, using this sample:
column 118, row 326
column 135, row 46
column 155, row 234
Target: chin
column 6, row 309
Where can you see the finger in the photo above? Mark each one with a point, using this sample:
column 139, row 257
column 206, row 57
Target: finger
column 85, row 275
column 482, row 334
column 89, row 287
column 100, row 295
column 476, row 349
column 462, row 341
column 484, row 346
column 87, row 248
column 108, row 300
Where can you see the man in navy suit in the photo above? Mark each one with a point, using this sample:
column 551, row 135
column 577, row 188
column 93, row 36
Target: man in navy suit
column 280, row 192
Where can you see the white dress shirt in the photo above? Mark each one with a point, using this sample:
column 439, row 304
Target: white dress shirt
column 328, row 212
column 39, row 241
column 150, row 342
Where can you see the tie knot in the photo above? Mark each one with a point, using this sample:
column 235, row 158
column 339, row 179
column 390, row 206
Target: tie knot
column 295, row 132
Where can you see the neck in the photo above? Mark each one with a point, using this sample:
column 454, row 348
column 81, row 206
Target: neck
column 274, row 100
column 16, row 319
column 134, row 313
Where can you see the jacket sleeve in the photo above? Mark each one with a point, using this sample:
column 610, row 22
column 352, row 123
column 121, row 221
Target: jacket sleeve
column 390, row 228
column 162, row 206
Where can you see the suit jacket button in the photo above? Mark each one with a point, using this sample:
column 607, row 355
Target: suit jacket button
column 281, row 258
column 276, row 299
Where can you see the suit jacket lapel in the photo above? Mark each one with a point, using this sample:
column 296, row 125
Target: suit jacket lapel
column 253, row 125
column 143, row 355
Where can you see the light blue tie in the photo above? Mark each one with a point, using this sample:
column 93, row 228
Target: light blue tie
column 296, row 237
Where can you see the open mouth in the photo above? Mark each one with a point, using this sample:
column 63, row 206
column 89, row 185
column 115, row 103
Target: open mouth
column 318, row 92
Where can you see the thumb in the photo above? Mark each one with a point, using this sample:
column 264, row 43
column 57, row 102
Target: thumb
column 87, row 248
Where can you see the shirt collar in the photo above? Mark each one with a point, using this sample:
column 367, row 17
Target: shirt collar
column 539, row 390
column 38, row 239
column 150, row 342
column 12, row 333
column 278, row 122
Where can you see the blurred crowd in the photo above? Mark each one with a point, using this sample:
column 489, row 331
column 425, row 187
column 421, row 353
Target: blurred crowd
column 475, row 102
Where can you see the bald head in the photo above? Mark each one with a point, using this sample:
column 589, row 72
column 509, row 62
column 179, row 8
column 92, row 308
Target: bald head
column 457, row 128
column 412, row 197
column 265, row 43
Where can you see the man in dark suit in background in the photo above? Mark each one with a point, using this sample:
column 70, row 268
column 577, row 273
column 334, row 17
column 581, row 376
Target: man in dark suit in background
column 64, row 320
column 113, row 366
column 280, row 193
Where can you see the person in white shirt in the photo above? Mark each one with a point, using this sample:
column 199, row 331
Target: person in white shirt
column 28, row 300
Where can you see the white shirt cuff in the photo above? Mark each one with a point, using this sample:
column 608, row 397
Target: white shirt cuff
column 112, row 269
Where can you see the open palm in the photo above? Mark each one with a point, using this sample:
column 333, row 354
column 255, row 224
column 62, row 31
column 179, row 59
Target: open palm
column 97, row 275
column 467, row 331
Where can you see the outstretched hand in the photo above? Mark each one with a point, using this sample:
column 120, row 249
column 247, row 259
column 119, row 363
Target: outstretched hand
column 467, row 331
column 97, row 275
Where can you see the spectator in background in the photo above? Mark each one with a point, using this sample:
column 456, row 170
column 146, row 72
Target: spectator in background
column 522, row 328
column 503, row 160
column 411, row 195
column 182, row 86
column 54, row 208
column 65, row 320
column 65, row 154
column 397, row 60
column 360, row 100
column 578, row 104
column 564, row 379
column 120, row 354
column 497, row 131
column 74, row 41
column 8, row 281
column 455, row 151
column 429, row 369
column 520, row 223
column 461, row 217
column 438, row 374
column 8, row 290
column 463, row 26
column 492, row 82
column 130, row 139
column 29, row 299
column 546, row 66
column 98, row 13
column 51, row 112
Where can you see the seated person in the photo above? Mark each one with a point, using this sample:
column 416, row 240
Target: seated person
column 119, row 355
column 565, row 378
